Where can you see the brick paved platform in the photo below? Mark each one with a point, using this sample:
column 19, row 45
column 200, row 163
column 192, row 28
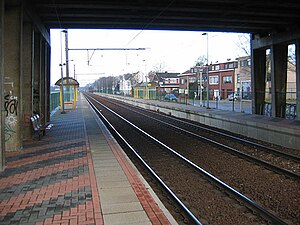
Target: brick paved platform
column 53, row 180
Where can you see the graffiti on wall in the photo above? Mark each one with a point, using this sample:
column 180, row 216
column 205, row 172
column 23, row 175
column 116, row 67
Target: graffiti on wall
column 11, row 113
column 10, row 105
column 8, row 131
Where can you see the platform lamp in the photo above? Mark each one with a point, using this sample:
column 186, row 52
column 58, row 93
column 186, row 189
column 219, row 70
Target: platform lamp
column 207, row 86
column 62, row 89
column 61, row 70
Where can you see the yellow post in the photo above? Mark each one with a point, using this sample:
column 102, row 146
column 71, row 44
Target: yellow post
column 75, row 97
column 60, row 97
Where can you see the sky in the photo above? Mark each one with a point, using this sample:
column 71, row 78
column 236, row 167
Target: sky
column 175, row 51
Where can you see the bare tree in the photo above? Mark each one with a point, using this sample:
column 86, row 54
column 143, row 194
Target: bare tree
column 201, row 60
column 159, row 67
column 291, row 58
column 152, row 76
column 243, row 44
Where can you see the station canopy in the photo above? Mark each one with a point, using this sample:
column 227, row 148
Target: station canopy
column 67, row 81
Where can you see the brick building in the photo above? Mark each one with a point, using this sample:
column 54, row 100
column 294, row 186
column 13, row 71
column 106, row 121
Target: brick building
column 243, row 78
column 221, row 78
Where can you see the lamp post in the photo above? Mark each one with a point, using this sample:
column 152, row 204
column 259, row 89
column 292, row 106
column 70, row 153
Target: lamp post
column 207, row 86
column 199, row 83
column 62, row 89
column 200, row 77
column 145, row 64
column 67, row 51
column 62, row 75
column 74, row 72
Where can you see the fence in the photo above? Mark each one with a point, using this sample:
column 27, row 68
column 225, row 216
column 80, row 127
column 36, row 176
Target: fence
column 230, row 101
column 54, row 100
column 290, row 110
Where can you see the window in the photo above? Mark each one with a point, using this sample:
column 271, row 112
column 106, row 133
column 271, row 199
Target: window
column 183, row 81
column 244, row 63
column 238, row 78
column 230, row 66
column 192, row 79
column 227, row 80
column 213, row 80
column 217, row 67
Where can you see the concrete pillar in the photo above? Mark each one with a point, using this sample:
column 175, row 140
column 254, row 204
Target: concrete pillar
column 36, row 74
column 258, row 77
column 42, row 80
column 279, row 53
column 13, row 72
column 47, row 82
column 2, row 115
column 298, row 77
column 26, row 80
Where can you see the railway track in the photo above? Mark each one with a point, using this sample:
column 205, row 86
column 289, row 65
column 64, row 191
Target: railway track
column 188, row 184
column 284, row 163
column 282, row 160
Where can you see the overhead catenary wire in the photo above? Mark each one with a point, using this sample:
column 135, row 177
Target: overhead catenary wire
column 155, row 18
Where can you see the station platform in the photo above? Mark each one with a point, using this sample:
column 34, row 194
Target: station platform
column 76, row 174
column 278, row 131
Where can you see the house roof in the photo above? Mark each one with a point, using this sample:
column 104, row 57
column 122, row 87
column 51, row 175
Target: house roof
column 187, row 73
column 168, row 75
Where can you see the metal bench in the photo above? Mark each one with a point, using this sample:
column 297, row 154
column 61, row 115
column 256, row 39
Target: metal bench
column 38, row 127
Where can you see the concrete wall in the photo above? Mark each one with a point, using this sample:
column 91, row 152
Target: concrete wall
column 24, row 68
column 12, row 73
column 2, row 115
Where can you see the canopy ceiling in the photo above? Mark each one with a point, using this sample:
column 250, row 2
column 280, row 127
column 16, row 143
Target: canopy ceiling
column 255, row 16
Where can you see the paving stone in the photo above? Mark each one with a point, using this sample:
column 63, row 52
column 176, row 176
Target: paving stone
column 44, row 151
column 43, row 170
column 34, row 213
column 38, row 183
column 40, row 164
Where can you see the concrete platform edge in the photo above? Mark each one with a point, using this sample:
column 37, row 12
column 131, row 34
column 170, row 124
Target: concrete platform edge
column 117, row 147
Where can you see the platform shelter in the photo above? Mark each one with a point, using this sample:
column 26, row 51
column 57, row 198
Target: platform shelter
column 68, row 92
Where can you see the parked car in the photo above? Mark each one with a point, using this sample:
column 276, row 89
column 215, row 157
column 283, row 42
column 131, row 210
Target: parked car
column 170, row 97
column 233, row 97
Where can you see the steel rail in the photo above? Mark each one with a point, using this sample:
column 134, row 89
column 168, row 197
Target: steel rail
column 182, row 205
column 226, row 148
column 265, row 148
column 255, row 206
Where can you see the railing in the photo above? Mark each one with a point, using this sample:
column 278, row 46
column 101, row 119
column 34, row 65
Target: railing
column 290, row 110
column 230, row 101
column 54, row 100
